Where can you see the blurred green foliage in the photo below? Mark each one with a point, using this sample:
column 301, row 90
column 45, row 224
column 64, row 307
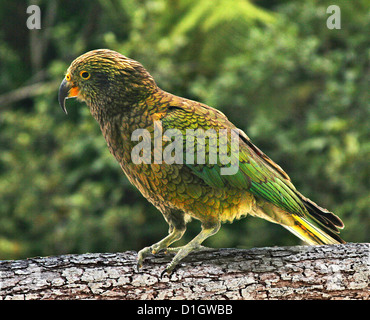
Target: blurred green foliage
column 298, row 89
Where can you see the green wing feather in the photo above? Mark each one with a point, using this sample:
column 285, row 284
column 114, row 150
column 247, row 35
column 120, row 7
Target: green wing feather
column 257, row 173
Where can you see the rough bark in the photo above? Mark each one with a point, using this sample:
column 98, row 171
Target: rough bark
column 301, row 272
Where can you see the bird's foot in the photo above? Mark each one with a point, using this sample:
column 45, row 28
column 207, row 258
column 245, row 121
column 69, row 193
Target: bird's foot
column 157, row 247
column 147, row 251
column 193, row 245
column 181, row 253
column 142, row 254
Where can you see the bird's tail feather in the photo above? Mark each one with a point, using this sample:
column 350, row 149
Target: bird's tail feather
column 328, row 224
column 317, row 226
column 311, row 234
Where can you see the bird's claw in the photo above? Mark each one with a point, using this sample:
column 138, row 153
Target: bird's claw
column 168, row 271
column 163, row 273
column 142, row 254
column 138, row 267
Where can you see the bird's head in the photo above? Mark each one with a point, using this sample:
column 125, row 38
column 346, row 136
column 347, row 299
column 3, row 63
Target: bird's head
column 106, row 80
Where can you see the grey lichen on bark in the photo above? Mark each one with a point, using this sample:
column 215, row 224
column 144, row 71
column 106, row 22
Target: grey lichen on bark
column 299, row 272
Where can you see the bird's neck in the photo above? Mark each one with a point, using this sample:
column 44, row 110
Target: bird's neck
column 118, row 123
column 130, row 109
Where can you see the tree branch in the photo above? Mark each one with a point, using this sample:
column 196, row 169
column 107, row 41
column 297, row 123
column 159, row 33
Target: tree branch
column 300, row 272
column 28, row 91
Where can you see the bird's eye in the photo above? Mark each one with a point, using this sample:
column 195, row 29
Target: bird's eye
column 68, row 77
column 85, row 75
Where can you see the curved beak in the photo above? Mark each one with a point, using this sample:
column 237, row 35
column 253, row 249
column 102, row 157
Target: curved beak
column 66, row 90
column 63, row 94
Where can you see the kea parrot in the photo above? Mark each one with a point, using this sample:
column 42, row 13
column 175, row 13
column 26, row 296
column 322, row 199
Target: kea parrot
column 122, row 96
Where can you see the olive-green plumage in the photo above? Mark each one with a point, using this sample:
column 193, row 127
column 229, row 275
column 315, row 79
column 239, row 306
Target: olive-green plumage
column 122, row 96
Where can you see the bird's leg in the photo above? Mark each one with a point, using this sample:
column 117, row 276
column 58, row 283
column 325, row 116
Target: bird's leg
column 208, row 230
column 174, row 235
column 176, row 221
